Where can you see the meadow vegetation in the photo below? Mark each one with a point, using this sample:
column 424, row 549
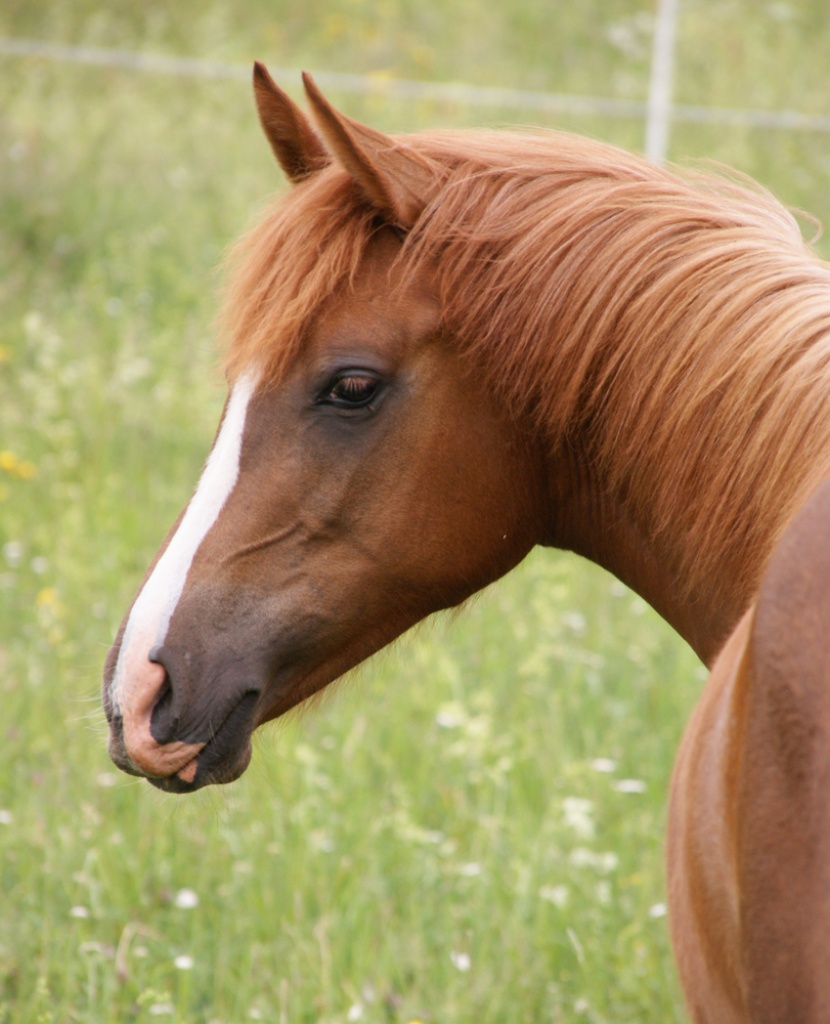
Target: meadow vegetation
column 471, row 828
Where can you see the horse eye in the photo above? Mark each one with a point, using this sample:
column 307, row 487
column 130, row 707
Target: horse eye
column 351, row 390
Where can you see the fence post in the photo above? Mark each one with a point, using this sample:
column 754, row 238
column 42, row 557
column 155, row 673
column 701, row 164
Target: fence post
column 659, row 108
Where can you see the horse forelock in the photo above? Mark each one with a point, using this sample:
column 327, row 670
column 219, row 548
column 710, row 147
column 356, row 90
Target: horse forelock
column 676, row 323
column 305, row 248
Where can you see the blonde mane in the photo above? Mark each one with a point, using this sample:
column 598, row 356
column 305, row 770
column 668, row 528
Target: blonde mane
column 672, row 327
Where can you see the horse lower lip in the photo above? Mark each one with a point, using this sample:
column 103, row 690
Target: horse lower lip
column 118, row 753
column 201, row 772
column 188, row 773
column 173, row 784
column 222, row 759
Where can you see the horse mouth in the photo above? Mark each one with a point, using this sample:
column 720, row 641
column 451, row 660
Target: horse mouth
column 211, row 769
column 223, row 758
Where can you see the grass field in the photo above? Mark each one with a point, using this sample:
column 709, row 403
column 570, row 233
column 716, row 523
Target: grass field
column 471, row 829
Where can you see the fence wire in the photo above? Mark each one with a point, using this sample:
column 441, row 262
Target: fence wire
column 409, row 89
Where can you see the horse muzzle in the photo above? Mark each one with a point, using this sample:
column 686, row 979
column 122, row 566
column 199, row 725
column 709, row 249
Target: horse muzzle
column 190, row 766
column 159, row 732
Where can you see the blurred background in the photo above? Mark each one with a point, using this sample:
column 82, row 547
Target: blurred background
column 470, row 829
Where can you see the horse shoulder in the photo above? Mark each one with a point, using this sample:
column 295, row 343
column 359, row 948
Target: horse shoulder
column 784, row 791
column 749, row 828
column 702, row 844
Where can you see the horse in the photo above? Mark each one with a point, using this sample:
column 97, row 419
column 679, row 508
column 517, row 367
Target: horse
column 446, row 348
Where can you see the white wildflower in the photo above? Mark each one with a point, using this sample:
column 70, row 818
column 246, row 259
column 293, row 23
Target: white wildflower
column 604, row 892
column 461, row 961
column 580, row 857
column 451, row 716
column 13, row 552
column 555, row 894
column 575, row 622
column 186, row 899
column 578, row 816
column 630, row 786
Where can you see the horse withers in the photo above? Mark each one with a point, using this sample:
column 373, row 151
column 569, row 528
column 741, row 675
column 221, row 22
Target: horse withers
column 446, row 348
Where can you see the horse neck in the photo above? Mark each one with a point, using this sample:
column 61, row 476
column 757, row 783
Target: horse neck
column 704, row 427
column 602, row 527
column 671, row 339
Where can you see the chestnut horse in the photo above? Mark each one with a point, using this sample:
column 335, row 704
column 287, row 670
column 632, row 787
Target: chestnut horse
column 446, row 348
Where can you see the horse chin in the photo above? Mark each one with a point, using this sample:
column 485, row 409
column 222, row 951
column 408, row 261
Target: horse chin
column 206, row 770
column 223, row 758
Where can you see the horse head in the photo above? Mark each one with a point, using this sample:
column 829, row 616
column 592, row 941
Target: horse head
column 359, row 480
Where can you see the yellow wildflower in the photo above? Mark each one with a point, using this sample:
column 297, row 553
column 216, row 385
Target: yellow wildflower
column 47, row 598
column 14, row 466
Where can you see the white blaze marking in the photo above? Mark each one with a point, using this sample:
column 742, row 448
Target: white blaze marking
column 153, row 608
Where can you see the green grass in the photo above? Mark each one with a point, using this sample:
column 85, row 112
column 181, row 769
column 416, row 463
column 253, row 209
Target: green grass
column 447, row 838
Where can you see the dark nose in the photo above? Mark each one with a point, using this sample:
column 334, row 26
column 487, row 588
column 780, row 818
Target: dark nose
column 165, row 719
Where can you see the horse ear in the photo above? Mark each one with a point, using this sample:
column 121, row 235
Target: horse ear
column 395, row 180
column 295, row 144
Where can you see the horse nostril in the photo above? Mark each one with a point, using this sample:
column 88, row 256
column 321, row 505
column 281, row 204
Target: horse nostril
column 164, row 721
